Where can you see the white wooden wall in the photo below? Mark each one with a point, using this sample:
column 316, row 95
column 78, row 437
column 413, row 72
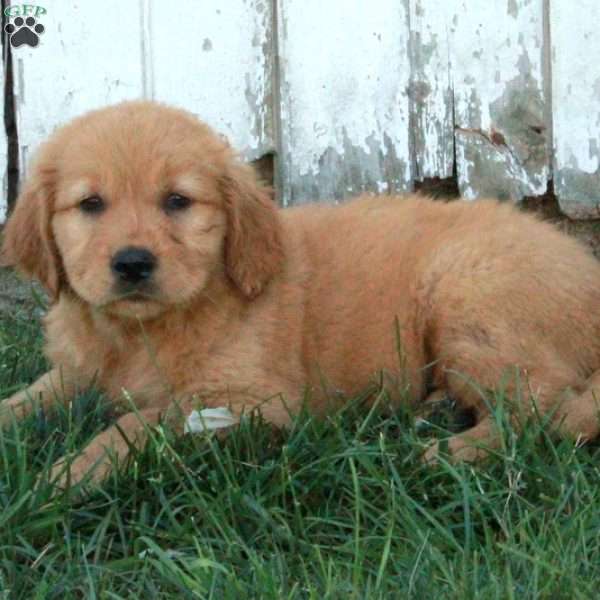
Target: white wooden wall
column 351, row 95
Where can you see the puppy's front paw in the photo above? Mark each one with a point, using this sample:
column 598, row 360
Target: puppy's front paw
column 66, row 473
column 6, row 416
column 10, row 409
column 458, row 449
column 431, row 454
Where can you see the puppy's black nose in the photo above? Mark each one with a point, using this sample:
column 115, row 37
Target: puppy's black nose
column 133, row 265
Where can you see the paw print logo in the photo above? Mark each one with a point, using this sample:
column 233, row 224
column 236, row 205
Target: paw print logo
column 24, row 31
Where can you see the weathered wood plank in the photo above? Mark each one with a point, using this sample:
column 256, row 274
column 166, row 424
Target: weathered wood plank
column 431, row 89
column 215, row 59
column 89, row 56
column 576, row 106
column 501, row 128
column 344, row 73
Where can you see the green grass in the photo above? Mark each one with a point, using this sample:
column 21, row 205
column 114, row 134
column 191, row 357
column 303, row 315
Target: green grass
column 339, row 508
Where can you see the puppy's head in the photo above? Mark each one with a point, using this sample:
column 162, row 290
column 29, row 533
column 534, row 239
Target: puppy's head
column 138, row 207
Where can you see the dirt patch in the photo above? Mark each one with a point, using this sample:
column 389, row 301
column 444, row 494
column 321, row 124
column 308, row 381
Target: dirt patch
column 17, row 293
column 547, row 208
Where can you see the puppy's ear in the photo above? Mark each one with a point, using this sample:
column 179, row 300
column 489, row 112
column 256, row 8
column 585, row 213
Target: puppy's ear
column 27, row 240
column 253, row 248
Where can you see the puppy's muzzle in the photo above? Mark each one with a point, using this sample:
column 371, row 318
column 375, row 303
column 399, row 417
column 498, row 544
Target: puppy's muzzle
column 132, row 265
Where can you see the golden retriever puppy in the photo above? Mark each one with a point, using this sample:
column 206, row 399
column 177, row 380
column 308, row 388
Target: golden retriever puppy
column 175, row 278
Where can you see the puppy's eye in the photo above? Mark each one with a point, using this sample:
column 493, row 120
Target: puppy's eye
column 92, row 205
column 175, row 202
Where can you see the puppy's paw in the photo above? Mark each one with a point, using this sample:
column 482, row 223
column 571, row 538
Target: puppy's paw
column 431, row 454
column 6, row 416
column 82, row 470
column 11, row 409
column 455, row 449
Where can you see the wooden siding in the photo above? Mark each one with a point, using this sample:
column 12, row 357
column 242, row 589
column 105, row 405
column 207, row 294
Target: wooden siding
column 349, row 96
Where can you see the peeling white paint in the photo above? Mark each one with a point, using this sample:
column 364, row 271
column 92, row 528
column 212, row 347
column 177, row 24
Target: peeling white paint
column 576, row 106
column 365, row 96
column 94, row 54
column 89, row 56
column 488, row 170
column 496, row 59
column 431, row 88
column 344, row 75
column 229, row 86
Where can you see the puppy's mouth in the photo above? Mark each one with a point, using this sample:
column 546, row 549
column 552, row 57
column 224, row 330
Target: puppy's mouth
column 135, row 303
column 135, row 294
column 136, row 297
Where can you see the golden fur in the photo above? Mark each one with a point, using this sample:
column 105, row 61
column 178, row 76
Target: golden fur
column 250, row 306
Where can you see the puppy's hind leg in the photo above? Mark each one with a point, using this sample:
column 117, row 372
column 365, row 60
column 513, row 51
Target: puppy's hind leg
column 578, row 414
column 469, row 446
column 537, row 388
